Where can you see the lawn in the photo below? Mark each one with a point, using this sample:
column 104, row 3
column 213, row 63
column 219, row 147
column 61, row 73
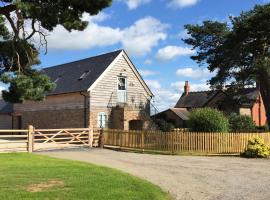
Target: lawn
column 28, row 176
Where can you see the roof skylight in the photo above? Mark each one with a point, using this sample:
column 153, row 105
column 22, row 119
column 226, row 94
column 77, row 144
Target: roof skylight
column 84, row 75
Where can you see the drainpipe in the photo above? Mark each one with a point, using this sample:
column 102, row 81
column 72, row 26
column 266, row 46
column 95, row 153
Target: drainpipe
column 85, row 108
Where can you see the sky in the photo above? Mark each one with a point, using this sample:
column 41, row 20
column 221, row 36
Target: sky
column 150, row 31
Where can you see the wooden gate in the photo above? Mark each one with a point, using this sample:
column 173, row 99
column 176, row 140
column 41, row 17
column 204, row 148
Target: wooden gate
column 46, row 139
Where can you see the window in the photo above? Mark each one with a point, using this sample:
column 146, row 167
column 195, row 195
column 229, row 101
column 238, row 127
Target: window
column 122, row 89
column 57, row 79
column 84, row 75
column 102, row 121
column 121, row 83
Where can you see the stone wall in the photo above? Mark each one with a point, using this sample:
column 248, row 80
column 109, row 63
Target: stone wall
column 119, row 117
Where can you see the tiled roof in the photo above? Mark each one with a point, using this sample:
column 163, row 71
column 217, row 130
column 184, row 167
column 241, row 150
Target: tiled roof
column 181, row 112
column 78, row 76
column 245, row 97
column 195, row 99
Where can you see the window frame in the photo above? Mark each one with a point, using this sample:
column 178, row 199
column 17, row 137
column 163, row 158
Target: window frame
column 100, row 118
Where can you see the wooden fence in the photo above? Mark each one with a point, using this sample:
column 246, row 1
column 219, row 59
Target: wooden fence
column 32, row 139
column 14, row 140
column 181, row 142
column 175, row 142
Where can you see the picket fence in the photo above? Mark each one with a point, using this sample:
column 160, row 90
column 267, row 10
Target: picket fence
column 181, row 141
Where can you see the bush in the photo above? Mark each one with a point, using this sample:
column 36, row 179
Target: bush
column 264, row 128
column 256, row 149
column 241, row 123
column 164, row 125
column 208, row 120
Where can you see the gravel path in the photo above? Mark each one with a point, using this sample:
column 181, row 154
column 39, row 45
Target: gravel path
column 188, row 177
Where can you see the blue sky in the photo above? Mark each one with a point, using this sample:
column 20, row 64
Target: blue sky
column 150, row 31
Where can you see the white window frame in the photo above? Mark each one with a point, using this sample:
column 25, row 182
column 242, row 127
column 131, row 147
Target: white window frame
column 100, row 117
column 126, row 85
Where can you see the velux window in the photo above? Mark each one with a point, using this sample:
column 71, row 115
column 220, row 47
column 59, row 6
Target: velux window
column 84, row 75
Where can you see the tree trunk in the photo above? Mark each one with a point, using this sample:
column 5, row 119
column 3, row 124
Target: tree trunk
column 264, row 82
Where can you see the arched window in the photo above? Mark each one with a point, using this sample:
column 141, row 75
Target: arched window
column 102, row 120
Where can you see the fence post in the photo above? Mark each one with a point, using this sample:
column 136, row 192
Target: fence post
column 101, row 139
column 172, row 138
column 143, row 140
column 30, row 137
column 90, row 136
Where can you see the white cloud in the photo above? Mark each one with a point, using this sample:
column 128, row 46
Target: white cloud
column 133, row 4
column 145, row 34
column 164, row 98
column 183, row 34
column 145, row 72
column 182, row 3
column 171, row 52
column 167, row 97
column 153, row 84
column 138, row 39
column 148, row 62
column 102, row 16
column 190, row 72
column 179, row 86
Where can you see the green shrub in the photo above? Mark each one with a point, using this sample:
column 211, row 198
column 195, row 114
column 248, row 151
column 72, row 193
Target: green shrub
column 208, row 120
column 164, row 125
column 256, row 149
column 264, row 128
column 240, row 123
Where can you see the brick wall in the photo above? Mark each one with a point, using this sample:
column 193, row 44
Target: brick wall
column 5, row 121
column 258, row 113
column 69, row 118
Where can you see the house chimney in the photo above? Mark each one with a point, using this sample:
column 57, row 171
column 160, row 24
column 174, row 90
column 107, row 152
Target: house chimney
column 186, row 88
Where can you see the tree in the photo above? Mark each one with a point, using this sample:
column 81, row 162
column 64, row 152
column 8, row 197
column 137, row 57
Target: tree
column 24, row 25
column 238, row 51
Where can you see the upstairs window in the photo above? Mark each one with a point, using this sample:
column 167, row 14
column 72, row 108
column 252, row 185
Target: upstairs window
column 122, row 83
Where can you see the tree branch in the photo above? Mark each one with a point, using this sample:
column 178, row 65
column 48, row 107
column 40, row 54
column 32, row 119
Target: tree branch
column 33, row 32
column 16, row 32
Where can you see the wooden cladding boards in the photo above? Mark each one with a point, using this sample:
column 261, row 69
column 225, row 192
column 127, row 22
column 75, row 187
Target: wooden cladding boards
column 105, row 92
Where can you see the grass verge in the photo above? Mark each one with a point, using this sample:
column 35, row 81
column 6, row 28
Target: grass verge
column 27, row 176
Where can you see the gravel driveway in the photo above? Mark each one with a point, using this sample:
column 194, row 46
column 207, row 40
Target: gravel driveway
column 187, row 177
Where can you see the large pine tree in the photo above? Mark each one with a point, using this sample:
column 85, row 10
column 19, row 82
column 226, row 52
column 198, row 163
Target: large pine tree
column 239, row 51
